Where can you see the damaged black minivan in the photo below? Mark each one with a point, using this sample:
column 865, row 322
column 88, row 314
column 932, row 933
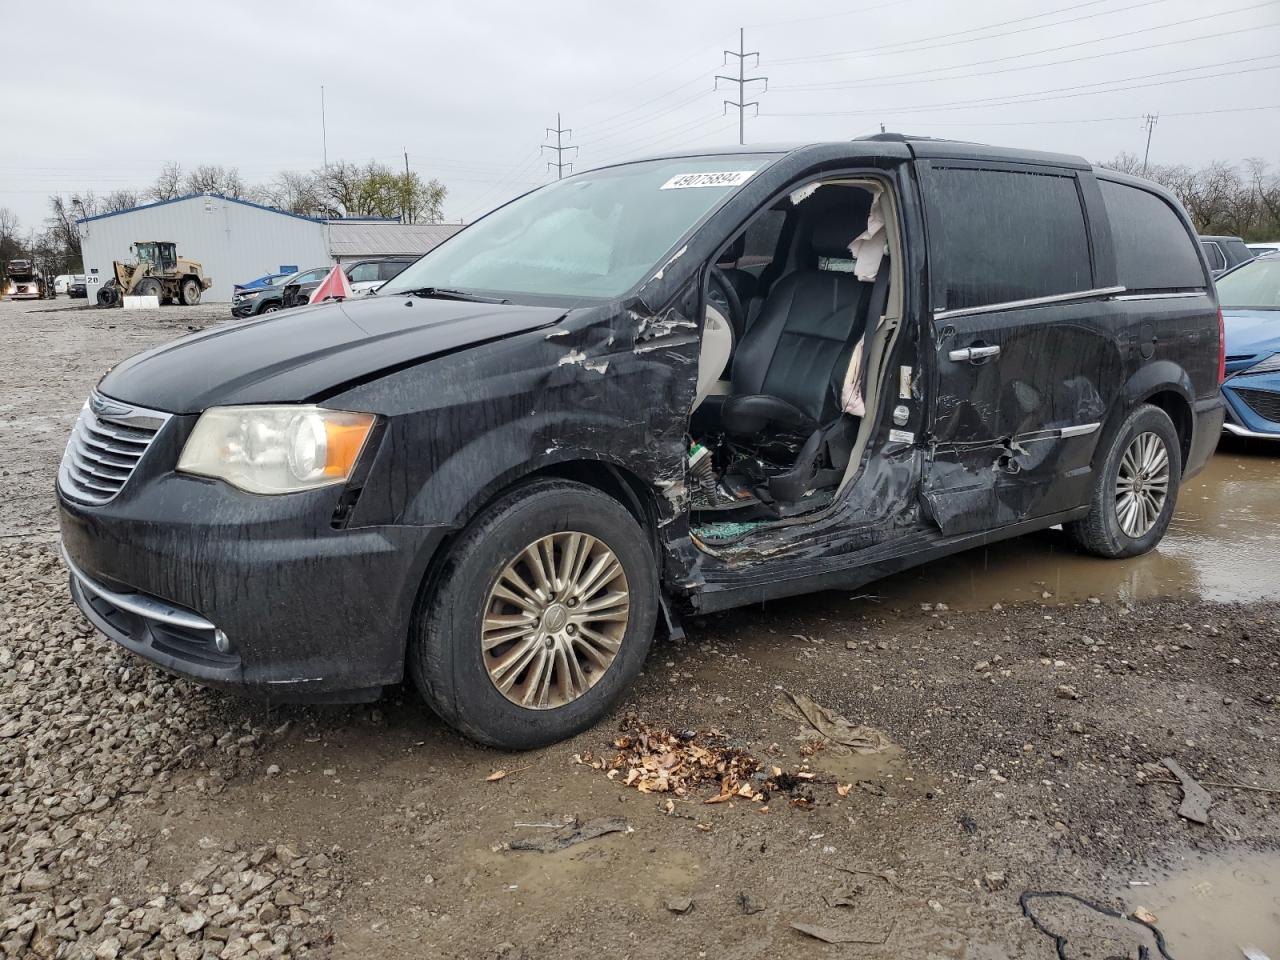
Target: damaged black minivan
column 680, row 384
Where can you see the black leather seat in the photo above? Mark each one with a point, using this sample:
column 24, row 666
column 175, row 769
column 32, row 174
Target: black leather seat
column 789, row 366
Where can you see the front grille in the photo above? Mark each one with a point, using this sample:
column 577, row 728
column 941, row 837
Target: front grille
column 105, row 447
column 1262, row 402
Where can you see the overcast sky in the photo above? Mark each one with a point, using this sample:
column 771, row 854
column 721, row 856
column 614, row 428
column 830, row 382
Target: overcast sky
column 98, row 100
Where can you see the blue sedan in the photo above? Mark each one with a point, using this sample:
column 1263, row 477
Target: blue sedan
column 1250, row 297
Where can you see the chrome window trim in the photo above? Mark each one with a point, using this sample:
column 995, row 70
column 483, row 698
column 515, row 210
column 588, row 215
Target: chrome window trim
column 1177, row 295
column 137, row 603
column 1031, row 302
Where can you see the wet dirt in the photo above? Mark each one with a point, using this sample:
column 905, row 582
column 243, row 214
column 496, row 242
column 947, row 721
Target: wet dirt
column 1019, row 740
column 1220, row 546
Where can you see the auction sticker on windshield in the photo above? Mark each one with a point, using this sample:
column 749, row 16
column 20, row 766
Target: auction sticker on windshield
column 732, row 178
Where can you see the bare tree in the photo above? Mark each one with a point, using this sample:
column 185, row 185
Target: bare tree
column 215, row 178
column 167, row 186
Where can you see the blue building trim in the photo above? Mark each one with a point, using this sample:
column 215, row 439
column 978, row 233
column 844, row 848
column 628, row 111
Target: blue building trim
column 193, row 196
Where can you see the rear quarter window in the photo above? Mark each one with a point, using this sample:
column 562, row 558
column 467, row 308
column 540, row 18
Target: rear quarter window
column 997, row 236
column 1154, row 251
column 1213, row 253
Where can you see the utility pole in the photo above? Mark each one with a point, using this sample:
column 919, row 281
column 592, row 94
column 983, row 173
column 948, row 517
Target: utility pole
column 324, row 134
column 1149, row 121
column 741, row 80
column 559, row 148
column 404, row 206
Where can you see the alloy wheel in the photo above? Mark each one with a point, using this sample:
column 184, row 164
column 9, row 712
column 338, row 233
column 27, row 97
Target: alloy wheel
column 1142, row 484
column 554, row 620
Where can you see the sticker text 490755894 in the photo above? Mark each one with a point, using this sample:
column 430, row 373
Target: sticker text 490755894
column 731, row 178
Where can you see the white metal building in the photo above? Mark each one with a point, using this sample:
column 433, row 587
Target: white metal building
column 236, row 240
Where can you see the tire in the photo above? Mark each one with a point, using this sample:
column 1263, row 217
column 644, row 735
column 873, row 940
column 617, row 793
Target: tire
column 109, row 295
column 190, row 291
column 270, row 308
column 1146, row 439
column 150, row 287
column 446, row 659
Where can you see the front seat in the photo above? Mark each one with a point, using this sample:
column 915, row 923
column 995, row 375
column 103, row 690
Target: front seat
column 788, row 367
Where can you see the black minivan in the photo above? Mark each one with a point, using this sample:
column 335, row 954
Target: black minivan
column 680, row 384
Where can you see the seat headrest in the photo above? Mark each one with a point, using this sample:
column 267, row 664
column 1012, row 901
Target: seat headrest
column 832, row 229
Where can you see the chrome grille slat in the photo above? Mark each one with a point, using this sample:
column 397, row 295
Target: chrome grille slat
column 90, row 439
column 97, row 430
column 117, row 462
column 100, row 469
column 105, row 449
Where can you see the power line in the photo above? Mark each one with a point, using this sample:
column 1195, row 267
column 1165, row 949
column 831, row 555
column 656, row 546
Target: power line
column 1033, row 96
column 559, row 148
column 891, row 48
column 742, row 80
column 878, row 81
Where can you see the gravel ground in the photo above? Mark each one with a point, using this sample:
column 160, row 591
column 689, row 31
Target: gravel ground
column 141, row 815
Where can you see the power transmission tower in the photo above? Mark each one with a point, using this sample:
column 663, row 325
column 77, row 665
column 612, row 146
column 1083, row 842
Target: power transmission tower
column 741, row 80
column 1149, row 121
column 559, row 148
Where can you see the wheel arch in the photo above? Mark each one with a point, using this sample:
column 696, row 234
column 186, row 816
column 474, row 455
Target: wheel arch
column 1165, row 385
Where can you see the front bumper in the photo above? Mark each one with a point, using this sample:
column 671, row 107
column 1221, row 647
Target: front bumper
column 1253, row 406
column 312, row 613
column 246, row 307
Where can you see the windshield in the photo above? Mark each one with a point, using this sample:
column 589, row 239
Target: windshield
column 592, row 235
column 146, row 252
column 1254, row 286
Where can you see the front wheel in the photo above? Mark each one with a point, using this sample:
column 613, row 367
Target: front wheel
column 540, row 617
column 190, row 293
column 1136, row 489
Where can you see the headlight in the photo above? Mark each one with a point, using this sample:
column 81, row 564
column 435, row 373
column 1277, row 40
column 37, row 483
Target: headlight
column 1269, row 365
column 249, row 295
column 279, row 449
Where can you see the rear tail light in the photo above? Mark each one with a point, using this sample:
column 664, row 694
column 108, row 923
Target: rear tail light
column 1222, row 348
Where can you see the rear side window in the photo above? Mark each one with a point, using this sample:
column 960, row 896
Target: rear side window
column 1153, row 249
column 1213, row 254
column 997, row 236
column 1239, row 251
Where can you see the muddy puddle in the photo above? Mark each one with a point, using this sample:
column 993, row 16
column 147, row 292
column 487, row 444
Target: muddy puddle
column 1217, row 908
column 1220, row 547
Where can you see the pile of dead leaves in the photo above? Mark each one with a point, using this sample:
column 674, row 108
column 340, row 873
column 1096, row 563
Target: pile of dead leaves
column 656, row 760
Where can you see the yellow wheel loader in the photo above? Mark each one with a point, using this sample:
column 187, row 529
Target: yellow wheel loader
column 158, row 272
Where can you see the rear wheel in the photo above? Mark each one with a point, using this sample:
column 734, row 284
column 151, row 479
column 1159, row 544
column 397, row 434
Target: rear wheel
column 1136, row 489
column 540, row 617
column 190, row 291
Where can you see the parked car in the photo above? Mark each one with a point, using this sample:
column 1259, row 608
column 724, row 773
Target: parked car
column 1223, row 253
column 270, row 280
column 365, row 276
column 78, row 288
column 61, row 283
column 250, row 302
column 1250, row 296
column 572, row 422
column 1261, row 248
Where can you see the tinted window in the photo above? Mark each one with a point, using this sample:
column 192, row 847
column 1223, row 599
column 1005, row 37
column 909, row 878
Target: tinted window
column 1153, row 249
column 391, row 268
column 997, row 236
column 1213, row 254
column 1239, row 251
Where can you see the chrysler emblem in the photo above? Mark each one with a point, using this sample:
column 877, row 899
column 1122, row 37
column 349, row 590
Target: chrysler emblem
column 102, row 407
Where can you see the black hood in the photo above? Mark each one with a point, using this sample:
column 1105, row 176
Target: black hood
column 296, row 355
